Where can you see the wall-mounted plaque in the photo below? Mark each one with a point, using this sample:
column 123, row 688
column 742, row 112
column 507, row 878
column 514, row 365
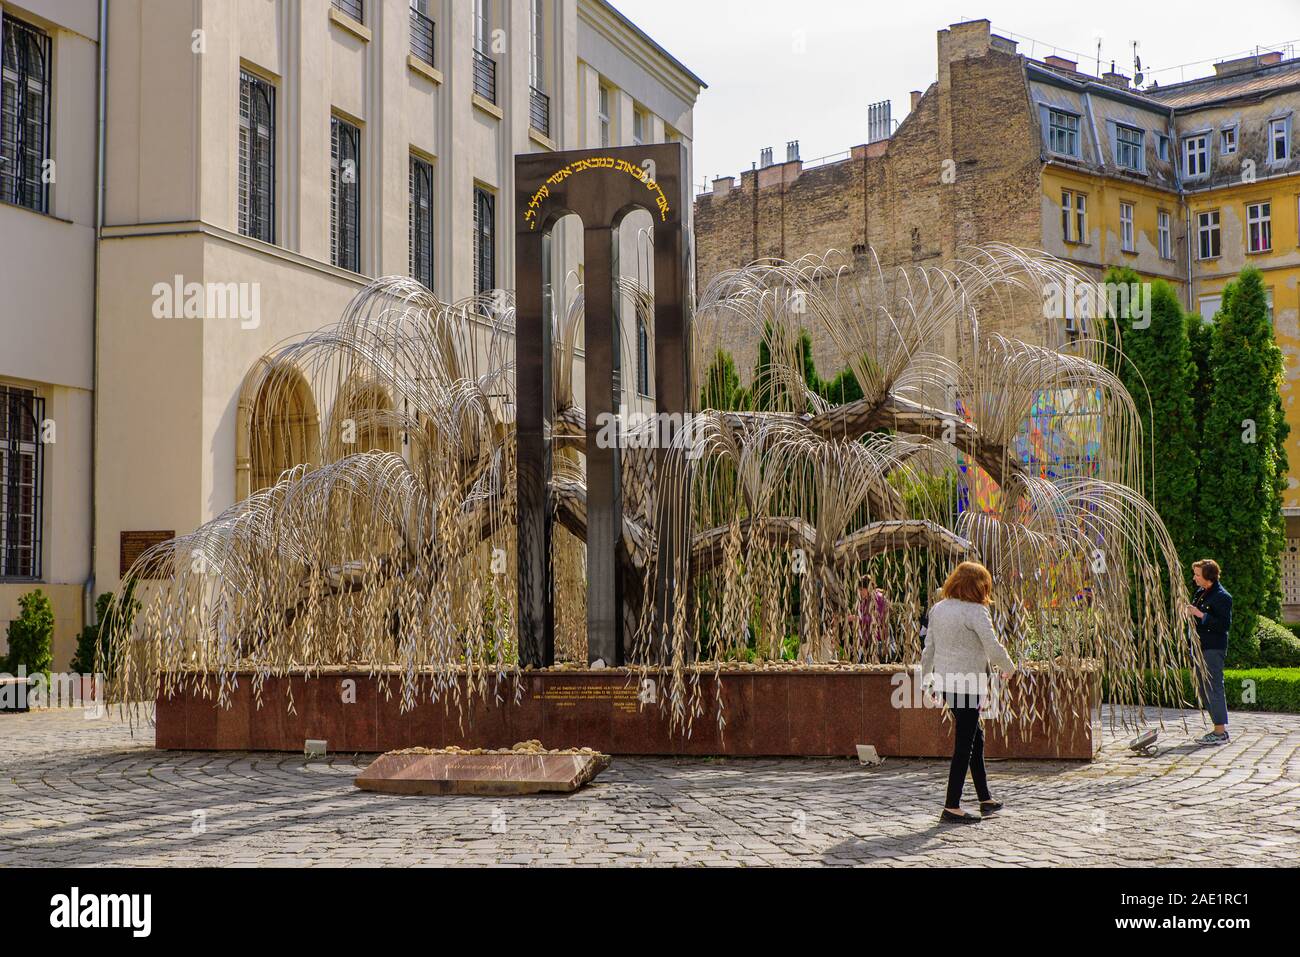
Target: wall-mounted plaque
column 134, row 544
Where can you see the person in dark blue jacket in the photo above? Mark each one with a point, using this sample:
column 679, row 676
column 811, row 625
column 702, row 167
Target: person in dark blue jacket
column 1212, row 608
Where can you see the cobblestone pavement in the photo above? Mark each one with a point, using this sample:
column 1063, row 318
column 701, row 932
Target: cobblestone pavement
column 79, row 792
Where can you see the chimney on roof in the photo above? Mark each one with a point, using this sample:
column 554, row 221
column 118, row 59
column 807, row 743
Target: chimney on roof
column 1246, row 64
column 765, row 157
column 723, row 185
column 1061, row 63
column 1117, row 80
column 916, row 97
column 1005, row 44
column 880, row 122
column 792, row 151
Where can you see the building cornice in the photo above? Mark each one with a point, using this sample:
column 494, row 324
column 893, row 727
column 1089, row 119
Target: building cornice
column 603, row 18
column 200, row 228
column 1114, row 175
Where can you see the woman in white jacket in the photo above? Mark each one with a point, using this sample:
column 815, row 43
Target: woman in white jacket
column 960, row 648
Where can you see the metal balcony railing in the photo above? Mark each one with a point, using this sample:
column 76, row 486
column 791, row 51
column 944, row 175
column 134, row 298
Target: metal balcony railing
column 539, row 111
column 421, row 37
column 353, row 8
column 485, row 76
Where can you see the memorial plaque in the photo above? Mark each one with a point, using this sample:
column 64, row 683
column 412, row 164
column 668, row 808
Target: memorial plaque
column 491, row 774
column 135, row 544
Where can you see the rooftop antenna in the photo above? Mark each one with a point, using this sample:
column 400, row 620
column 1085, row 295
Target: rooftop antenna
column 1098, row 36
column 1137, row 66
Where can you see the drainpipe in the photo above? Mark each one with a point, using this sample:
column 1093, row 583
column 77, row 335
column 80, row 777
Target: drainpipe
column 101, row 111
column 1187, row 209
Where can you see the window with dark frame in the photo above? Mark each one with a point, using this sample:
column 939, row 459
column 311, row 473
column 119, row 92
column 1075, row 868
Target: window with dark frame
column 422, row 32
column 485, row 65
column 421, row 225
column 256, row 157
column 539, row 104
column 21, row 472
column 24, row 114
column 345, row 194
column 354, row 8
column 484, row 241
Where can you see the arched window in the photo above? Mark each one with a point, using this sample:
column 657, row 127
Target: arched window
column 278, row 421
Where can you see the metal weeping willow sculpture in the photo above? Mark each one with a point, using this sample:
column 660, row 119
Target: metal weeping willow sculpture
column 390, row 547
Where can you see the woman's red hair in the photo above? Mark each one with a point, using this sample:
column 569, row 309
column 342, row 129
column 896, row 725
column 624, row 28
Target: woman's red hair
column 970, row 581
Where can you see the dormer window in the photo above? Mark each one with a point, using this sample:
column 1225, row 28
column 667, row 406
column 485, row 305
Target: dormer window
column 1279, row 140
column 1063, row 133
column 1196, row 155
column 1128, row 148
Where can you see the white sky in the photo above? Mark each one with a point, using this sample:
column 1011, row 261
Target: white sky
column 762, row 92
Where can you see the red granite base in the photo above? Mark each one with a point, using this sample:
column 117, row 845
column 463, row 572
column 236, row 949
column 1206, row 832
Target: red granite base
column 773, row 714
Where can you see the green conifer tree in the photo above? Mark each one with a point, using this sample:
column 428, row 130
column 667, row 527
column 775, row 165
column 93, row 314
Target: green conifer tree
column 1240, row 520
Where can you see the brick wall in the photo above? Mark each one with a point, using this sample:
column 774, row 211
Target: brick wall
column 895, row 198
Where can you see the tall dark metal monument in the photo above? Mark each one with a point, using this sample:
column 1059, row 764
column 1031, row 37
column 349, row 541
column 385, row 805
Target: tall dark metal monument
column 601, row 187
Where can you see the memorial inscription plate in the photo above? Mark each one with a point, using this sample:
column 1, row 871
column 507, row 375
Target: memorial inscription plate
column 134, row 544
column 491, row 774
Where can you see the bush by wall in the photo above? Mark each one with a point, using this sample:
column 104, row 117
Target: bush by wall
column 31, row 635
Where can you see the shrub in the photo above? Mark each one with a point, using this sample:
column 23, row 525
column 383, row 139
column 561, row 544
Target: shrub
column 89, row 644
column 1272, row 689
column 31, row 634
column 1243, row 649
column 1250, row 689
column 1278, row 646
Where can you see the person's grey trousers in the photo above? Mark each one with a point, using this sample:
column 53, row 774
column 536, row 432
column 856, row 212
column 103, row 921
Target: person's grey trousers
column 1212, row 693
